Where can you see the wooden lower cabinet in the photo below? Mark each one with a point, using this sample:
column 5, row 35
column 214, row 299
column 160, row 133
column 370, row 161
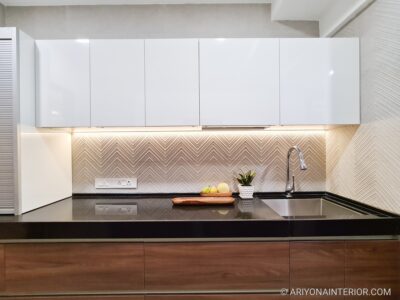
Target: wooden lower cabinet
column 87, row 297
column 74, row 267
column 373, row 264
column 317, row 265
column 152, row 268
column 350, row 264
column 2, row 269
column 316, row 297
column 217, row 297
column 160, row 297
column 217, row 266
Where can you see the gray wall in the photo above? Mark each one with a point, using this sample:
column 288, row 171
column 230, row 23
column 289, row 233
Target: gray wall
column 2, row 15
column 154, row 21
column 363, row 162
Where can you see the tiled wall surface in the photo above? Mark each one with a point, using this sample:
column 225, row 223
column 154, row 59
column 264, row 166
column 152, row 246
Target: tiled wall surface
column 363, row 162
column 154, row 21
column 186, row 161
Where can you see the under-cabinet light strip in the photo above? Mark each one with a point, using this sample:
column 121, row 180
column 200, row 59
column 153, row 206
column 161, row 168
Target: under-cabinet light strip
column 198, row 129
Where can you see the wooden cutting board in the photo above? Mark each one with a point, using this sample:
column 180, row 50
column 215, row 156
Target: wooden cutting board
column 216, row 194
column 203, row 201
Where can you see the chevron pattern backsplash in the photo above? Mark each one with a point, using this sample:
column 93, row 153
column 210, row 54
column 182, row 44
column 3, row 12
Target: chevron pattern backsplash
column 176, row 162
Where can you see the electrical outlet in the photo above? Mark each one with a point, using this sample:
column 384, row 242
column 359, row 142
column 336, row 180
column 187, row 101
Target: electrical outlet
column 116, row 183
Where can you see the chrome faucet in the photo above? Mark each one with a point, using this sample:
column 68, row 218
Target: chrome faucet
column 290, row 187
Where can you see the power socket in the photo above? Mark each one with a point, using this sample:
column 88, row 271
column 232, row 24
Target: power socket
column 116, row 183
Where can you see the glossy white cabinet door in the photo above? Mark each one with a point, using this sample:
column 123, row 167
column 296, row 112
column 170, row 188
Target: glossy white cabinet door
column 239, row 82
column 172, row 82
column 319, row 81
column 63, row 83
column 117, row 82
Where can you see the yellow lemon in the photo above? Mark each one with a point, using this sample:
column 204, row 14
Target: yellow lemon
column 213, row 190
column 206, row 190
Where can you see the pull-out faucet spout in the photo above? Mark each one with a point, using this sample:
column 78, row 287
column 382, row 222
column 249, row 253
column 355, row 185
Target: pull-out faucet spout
column 290, row 187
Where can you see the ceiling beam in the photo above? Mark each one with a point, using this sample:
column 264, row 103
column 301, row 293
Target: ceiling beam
column 339, row 14
column 298, row 10
column 332, row 15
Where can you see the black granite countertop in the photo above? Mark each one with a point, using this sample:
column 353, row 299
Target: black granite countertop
column 154, row 217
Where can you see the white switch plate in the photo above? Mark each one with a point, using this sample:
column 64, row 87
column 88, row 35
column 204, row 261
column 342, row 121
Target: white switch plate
column 116, row 183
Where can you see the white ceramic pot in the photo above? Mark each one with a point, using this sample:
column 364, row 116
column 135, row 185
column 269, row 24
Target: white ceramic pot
column 246, row 192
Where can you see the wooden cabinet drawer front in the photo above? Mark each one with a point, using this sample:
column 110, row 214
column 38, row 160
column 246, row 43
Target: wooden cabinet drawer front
column 373, row 264
column 2, row 269
column 217, row 297
column 74, row 267
column 317, row 264
column 86, row 297
column 316, row 297
column 217, row 266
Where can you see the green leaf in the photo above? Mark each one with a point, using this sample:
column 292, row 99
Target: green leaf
column 246, row 178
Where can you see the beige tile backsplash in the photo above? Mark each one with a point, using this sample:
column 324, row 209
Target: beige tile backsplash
column 174, row 162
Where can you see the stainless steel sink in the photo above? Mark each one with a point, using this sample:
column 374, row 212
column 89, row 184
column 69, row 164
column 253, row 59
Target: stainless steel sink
column 311, row 208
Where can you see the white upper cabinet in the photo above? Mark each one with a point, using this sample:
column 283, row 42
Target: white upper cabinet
column 239, row 82
column 117, row 82
column 63, row 83
column 191, row 82
column 319, row 81
column 172, row 82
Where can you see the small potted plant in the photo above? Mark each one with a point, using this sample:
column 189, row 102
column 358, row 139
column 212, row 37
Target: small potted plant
column 246, row 190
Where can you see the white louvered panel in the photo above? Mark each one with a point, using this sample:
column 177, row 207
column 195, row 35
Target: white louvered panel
column 7, row 149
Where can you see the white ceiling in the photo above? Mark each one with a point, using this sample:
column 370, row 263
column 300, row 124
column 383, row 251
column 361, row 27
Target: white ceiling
column 118, row 2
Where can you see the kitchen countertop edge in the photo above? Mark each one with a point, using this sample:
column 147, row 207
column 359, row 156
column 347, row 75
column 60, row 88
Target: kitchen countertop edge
column 388, row 225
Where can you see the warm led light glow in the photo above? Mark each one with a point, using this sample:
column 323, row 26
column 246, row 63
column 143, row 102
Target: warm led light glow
column 82, row 41
column 136, row 129
column 298, row 128
column 180, row 129
column 191, row 131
